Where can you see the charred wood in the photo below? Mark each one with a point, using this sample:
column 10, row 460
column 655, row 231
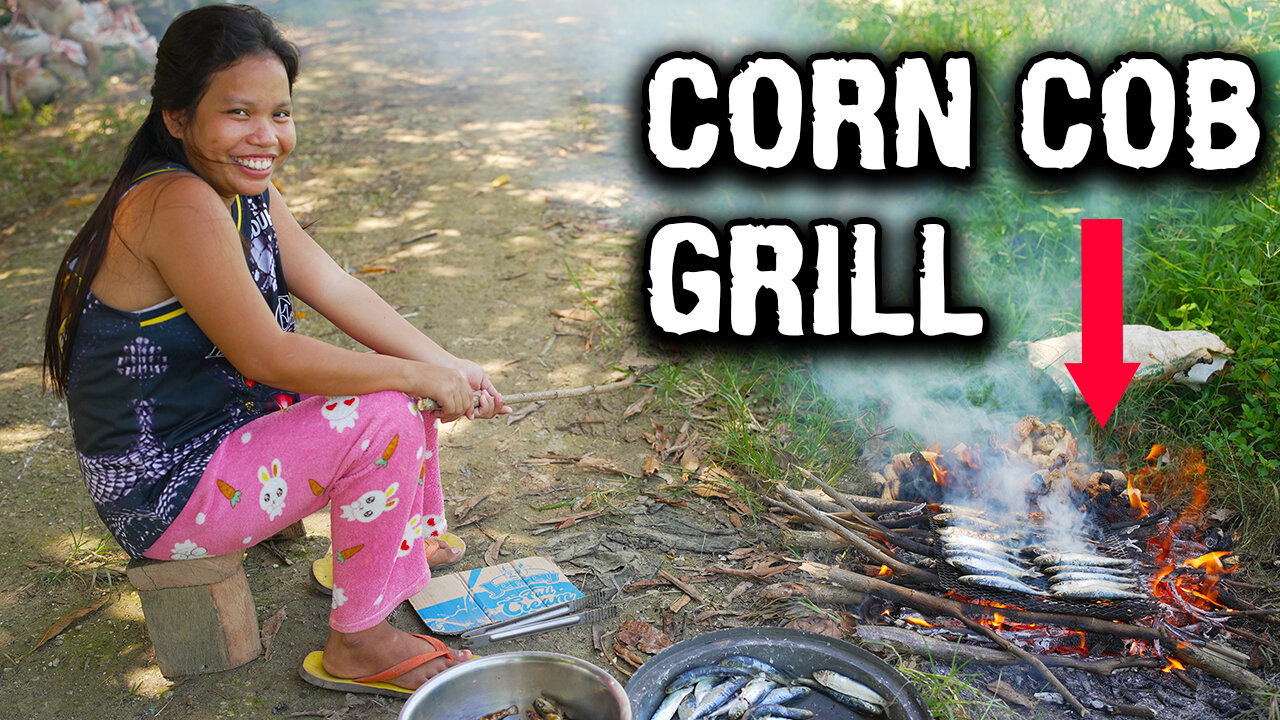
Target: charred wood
column 819, row 594
column 862, row 502
column 888, row 534
column 1236, row 676
column 859, row 542
column 911, row 642
column 950, row 609
column 808, row 540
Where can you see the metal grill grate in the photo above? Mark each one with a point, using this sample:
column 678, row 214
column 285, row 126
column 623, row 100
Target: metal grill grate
column 1128, row 609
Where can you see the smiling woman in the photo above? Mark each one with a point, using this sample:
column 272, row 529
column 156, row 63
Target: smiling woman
column 203, row 422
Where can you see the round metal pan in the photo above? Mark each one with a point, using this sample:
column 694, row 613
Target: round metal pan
column 795, row 652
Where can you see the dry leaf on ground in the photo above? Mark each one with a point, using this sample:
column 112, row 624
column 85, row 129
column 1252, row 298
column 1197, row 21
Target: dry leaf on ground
column 579, row 314
column 466, row 506
column 593, row 463
column 64, row 622
column 820, row 624
column 495, row 548
column 269, row 630
column 643, row 636
column 637, row 406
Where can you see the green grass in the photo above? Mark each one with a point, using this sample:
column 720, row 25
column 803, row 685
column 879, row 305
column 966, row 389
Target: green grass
column 59, row 151
column 955, row 694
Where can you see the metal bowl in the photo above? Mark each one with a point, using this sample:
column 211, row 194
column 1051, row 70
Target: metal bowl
column 487, row 684
column 794, row 652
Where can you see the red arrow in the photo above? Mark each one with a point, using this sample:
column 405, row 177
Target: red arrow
column 1103, row 376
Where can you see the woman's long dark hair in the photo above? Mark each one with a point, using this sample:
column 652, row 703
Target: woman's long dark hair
column 197, row 44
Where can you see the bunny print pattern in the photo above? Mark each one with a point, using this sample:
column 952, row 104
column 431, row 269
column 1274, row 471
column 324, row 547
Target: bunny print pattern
column 326, row 450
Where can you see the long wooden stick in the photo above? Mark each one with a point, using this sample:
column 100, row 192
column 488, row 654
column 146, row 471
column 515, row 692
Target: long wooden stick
column 846, row 578
column 890, row 535
column 911, row 642
column 903, row 570
column 1234, row 675
column 516, row 398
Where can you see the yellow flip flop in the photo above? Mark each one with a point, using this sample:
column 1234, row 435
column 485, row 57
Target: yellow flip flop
column 322, row 568
column 313, row 671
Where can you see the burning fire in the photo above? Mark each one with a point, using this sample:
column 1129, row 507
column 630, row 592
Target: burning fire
column 885, row 570
column 939, row 475
column 1173, row 665
column 919, row 621
column 1136, row 502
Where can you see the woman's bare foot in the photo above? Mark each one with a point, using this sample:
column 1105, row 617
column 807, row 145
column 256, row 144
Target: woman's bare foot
column 353, row 655
column 444, row 555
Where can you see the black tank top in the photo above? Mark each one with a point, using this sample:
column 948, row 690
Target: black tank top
column 150, row 397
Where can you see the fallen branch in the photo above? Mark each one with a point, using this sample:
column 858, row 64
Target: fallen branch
column 1236, row 676
column 806, row 540
column 819, row 594
column 947, row 652
column 951, row 609
column 889, row 535
column 901, row 569
column 426, row 404
column 683, row 586
column 759, row 575
column 863, row 502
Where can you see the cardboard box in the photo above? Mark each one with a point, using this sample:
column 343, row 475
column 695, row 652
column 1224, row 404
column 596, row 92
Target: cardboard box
column 454, row 603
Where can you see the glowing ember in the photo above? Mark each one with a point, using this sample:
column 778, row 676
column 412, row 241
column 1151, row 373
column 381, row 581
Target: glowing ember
column 885, row 570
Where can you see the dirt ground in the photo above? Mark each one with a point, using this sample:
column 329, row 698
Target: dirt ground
column 471, row 160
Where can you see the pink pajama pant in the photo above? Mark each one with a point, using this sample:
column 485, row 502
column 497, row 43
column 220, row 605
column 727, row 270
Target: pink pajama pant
column 371, row 458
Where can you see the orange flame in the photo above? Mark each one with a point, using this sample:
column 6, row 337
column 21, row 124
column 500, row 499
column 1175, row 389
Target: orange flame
column 919, row 621
column 884, row 570
column 1135, row 500
column 1211, row 563
column 1173, row 665
column 1156, row 451
column 997, row 621
column 939, row 475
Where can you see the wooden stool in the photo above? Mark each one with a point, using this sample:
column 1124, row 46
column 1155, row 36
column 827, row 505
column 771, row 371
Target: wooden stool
column 293, row 532
column 199, row 613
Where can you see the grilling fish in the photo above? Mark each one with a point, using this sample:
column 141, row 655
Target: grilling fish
column 982, row 565
column 949, row 532
column 1094, row 590
column 987, row 546
column 1000, row 582
column 1094, row 569
column 1070, row 576
column 967, row 521
column 1070, row 558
